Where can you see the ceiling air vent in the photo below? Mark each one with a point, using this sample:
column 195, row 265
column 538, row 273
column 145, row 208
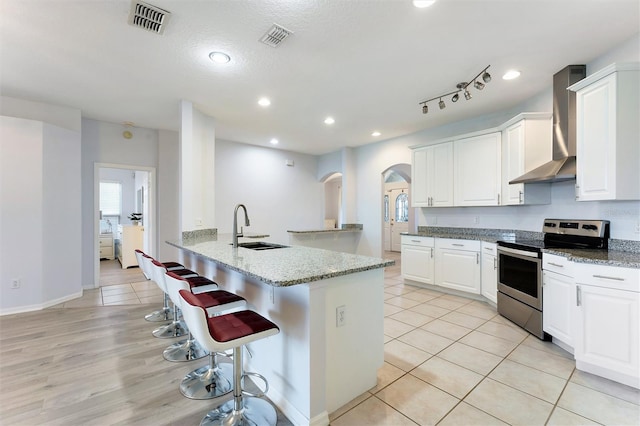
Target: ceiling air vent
column 275, row 35
column 148, row 17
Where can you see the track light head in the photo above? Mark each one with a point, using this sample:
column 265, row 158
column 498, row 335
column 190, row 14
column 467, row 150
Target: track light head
column 467, row 95
column 441, row 104
column 425, row 109
column 478, row 85
column 486, row 77
column 455, row 98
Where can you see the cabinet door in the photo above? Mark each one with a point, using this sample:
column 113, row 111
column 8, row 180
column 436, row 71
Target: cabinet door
column 419, row 170
column 558, row 298
column 458, row 269
column 514, row 166
column 490, row 277
column 440, row 175
column 417, row 263
column 608, row 333
column 596, row 135
column 477, row 170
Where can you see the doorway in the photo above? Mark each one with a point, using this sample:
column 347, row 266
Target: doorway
column 131, row 203
column 397, row 215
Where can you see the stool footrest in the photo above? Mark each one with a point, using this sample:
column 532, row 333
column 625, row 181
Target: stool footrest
column 259, row 376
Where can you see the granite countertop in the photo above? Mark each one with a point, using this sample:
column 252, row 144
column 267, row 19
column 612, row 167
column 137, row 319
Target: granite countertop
column 621, row 253
column 317, row 231
column 279, row 267
column 599, row 257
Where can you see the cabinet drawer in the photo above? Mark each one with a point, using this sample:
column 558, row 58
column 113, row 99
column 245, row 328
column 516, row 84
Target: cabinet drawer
column 106, row 252
column 455, row 244
column 608, row 276
column 106, row 242
column 489, row 248
column 410, row 240
column 558, row 264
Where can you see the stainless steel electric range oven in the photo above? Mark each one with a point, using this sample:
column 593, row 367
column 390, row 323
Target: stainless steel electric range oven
column 520, row 267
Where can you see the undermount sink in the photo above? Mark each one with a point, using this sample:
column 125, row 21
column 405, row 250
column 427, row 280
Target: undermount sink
column 260, row 245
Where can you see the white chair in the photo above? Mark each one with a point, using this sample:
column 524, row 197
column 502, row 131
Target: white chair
column 175, row 328
column 216, row 301
column 231, row 331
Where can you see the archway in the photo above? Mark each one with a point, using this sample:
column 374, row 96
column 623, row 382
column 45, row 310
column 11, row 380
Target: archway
column 397, row 215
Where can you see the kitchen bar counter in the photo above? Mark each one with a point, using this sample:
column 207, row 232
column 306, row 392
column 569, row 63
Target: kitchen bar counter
column 329, row 307
column 280, row 267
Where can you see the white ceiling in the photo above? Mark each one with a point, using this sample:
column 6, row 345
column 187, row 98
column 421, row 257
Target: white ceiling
column 366, row 63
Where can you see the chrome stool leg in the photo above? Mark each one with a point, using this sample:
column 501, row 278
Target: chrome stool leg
column 163, row 314
column 185, row 350
column 242, row 410
column 176, row 328
column 211, row 381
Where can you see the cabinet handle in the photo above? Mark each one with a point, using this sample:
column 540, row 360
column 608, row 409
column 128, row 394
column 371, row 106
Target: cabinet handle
column 577, row 192
column 488, row 248
column 415, row 241
column 457, row 245
column 608, row 278
column 498, row 199
column 432, row 252
column 520, row 197
column 495, row 263
column 578, row 296
column 556, row 264
column 477, row 258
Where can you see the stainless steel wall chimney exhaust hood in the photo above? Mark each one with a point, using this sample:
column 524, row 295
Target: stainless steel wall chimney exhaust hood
column 563, row 164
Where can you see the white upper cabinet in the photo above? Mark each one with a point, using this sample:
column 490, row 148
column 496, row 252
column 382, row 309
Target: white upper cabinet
column 477, row 163
column 607, row 130
column 526, row 145
column 432, row 180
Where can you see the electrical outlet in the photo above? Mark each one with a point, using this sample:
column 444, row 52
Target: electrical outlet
column 638, row 228
column 476, row 220
column 15, row 283
column 340, row 316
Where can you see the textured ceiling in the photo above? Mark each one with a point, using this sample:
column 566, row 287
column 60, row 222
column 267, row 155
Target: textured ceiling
column 366, row 63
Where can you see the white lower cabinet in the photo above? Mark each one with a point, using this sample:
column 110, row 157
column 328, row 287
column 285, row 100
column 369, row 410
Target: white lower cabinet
column 607, row 340
column 458, row 264
column 489, row 271
column 558, row 296
column 130, row 237
column 417, row 259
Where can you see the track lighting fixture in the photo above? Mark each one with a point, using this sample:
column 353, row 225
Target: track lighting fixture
column 460, row 87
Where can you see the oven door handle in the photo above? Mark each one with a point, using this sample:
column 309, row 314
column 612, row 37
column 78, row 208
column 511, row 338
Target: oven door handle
column 518, row 252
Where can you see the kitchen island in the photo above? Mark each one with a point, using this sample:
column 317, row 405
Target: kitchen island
column 329, row 307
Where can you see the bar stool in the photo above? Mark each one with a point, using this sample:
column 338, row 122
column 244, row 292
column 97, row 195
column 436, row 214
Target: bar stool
column 144, row 262
column 177, row 327
column 232, row 331
column 215, row 302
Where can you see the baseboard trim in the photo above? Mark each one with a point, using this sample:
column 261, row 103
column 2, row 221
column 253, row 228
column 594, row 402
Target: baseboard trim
column 39, row 306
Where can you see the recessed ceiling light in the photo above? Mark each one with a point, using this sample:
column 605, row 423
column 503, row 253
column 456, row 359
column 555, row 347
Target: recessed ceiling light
column 274, row 141
column 329, row 120
column 511, row 74
column 219, row 57
column 265, row 102
column 420, row 4
column 376, row 133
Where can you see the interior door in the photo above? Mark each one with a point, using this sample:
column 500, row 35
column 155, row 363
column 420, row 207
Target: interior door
column 386, row 209
column 398, row 216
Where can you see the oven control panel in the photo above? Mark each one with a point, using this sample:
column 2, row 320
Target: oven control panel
column 587, row 228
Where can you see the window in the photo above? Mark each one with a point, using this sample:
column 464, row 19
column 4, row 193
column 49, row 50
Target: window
column 386, row 208
column 402, row 208
column 110, row 198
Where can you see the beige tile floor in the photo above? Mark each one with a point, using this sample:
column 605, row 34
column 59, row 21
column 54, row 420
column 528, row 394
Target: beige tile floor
column 449, row 360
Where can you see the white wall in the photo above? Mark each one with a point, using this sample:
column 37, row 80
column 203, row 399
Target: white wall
column 168, row 205
column 40, row 219
column 103, row 142
column 278, row 197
